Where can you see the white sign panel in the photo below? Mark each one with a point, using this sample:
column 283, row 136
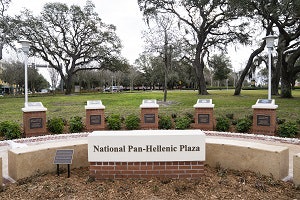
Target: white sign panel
column 146, row 145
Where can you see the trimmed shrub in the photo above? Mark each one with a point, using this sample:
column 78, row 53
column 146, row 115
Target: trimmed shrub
column 164, row 122
column 114, row 122
column 223, row 124
column 56, row 125
column 132, row 122
column 230, row 116
column 190, row 116
column 76, row 125
column 288, row 129
column 10, row 130
column 183, row 123
column 243, row 125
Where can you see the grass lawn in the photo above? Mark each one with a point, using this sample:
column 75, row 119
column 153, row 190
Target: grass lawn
column 179, row 102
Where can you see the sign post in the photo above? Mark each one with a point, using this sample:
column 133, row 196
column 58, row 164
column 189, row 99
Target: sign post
column 63, row 156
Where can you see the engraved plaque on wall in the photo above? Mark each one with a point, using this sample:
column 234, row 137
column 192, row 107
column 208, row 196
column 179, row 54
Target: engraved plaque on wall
column 95, row 119
column 203, row 118
column 263, row 120
column 149, row 118
column 36, row 123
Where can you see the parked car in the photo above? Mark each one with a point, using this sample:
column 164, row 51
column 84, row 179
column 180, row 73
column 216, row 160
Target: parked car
column 113, row 89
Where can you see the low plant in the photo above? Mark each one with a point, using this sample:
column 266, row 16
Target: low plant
column 288, row 129
column 190, row 116
column 243, row 125
column 183, row 123
column 10, row 130
column 132, row 122
column 114, row 122
column 56, row 125
column 76, row 125
column 223, row 124
column 230, row 116
column 164, row 122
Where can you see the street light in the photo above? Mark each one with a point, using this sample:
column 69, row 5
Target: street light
column 25, row 48
column 270, row 44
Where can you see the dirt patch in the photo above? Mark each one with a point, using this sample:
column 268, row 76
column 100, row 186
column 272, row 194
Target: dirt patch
column 216, row 184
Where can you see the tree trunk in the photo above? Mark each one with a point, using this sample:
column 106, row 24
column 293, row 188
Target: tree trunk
column 198, row 65
column 1, row 49
column 286, row 86
column 69, row 85
column 239, row 84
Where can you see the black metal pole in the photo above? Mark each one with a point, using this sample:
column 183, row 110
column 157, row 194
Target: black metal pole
column 57, row 169
column 68, row 170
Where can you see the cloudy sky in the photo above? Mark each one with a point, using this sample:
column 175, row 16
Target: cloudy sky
column 124, row 14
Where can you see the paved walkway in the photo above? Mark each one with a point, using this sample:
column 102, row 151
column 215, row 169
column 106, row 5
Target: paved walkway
column 293, row 144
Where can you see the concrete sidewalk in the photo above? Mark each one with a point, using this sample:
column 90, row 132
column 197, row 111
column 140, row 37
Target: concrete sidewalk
column 292, row 144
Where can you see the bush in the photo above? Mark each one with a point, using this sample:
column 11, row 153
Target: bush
column 10, row 130
column 165, row 122
column 190, row 116
column 76, row 124
column 132, row 122
column 288, row 129
column 56, row 125
column 243, row 125
column 183, row 123
column 114, row 122
column 223, row 124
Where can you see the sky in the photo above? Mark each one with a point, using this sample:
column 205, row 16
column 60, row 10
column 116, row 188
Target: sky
column 124, row 14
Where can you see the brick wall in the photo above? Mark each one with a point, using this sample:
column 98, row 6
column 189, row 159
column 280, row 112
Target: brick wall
column 204, row 126
column 29, row 132
column 145, row 111
column 145, row 170
column 267, row 130
column 93, row 127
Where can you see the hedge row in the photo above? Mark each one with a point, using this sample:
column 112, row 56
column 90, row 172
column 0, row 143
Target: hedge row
column 58, row 125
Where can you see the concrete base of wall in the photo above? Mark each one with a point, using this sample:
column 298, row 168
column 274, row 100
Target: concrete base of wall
column 32, row 160
column 296, row 169
column 261, row 158
column 265, row 159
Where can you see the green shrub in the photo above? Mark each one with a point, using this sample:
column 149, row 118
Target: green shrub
column 76, row 125
column 164, row 122
column 10, row 130
column 243, row 125
column 183, row 123
column 230, row 116
column 190, row 116
column 132, row 122
column 56, row 125
column 288, row 129
column 114, row 122
column 223, row 124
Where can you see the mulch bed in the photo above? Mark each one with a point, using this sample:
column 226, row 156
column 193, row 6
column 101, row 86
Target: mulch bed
column 217, row 183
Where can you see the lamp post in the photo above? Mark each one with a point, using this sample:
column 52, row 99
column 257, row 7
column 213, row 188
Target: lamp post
column 25, row 48
column 270, row 44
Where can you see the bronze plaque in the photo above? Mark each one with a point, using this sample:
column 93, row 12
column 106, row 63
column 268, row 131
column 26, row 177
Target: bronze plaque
column 149, row 118
column 263, row 120
column 36, row 123
column 95, row 119
column 203, row 118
